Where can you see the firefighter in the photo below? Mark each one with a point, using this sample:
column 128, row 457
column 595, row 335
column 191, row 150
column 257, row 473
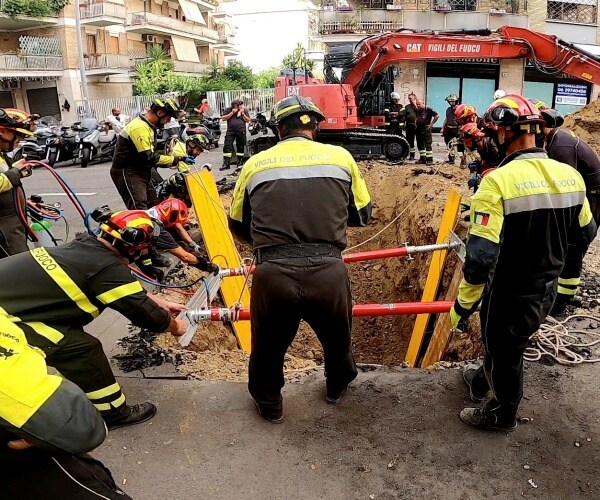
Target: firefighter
column 425, row 119
column 14, row 126
column 394, row 115
column 135, row 157
column 450, row 127
column 236, row 117
column 51, row 294
column 46, row 426
column 172, row 214
column 300, row 274
column 523, row 216
column 466, row 113
column 410, row 126
column 476, row 140
column 174, row 187
column 565, row 146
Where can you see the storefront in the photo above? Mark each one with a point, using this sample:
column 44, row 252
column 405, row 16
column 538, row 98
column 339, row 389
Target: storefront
column 473, row 81
column 561, row 92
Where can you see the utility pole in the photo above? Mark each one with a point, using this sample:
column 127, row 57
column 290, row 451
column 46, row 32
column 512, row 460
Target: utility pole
column 84, row 86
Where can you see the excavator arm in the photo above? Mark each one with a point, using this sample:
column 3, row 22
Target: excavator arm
column 549, row 53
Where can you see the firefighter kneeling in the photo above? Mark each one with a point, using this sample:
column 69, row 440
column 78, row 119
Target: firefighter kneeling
column 50, row 294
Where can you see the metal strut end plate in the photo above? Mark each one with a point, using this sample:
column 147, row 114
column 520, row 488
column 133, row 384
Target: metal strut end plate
column 459, row 246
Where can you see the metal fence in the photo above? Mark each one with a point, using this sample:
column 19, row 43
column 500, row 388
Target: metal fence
column 255, row 100
column 131, row 106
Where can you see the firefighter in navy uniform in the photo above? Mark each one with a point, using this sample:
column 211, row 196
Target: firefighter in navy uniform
column 524, row 215
column 425, row 119
column 395, row 115
column 236, row 117
column 564, row 146
column 450, row 128
column 279, row 195
column 14, row 126
column 52, row 293
column 410, row 126
column 135, row 157
column 46, row 426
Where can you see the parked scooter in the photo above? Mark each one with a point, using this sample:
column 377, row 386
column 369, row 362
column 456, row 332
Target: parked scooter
column 34, row 147
column 99, row 143
column 64, row 146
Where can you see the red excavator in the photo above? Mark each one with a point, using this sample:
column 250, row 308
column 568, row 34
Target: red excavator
column 352, row 100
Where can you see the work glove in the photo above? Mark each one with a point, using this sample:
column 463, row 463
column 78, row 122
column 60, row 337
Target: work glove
column 194, row 247
column 459, row 323
column 205, row 265
column 24, row 168
column 190, row 160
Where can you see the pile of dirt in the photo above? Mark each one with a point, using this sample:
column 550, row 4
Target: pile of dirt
column 586, row 124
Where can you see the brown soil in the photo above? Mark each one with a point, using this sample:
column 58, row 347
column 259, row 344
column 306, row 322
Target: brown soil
column 586, row 124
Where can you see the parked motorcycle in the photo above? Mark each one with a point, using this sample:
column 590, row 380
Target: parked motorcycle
column 65, row 146
column 34, row 147
column 99, row 143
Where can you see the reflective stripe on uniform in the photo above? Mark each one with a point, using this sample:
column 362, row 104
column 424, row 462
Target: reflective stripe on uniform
column 102, row 393
column 543, row 201
column 110, row 406
column 7, row 315
column 309, row 172
column 62, row 279
column 46, row 331
column 569, row 281
column 120, row 292
column 566, row 291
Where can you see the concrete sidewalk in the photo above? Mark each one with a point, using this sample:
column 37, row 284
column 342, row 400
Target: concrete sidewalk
column 396, row 435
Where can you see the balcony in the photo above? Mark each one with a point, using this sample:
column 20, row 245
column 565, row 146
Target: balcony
column 190, row 68
column 106, row 64
column 226, row 44
column 103, row 14
column 24, row 22
column 152, row 24
column 30, row 66
column 359, row 27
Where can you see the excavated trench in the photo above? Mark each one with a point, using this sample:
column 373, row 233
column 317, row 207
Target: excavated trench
column 408, row 203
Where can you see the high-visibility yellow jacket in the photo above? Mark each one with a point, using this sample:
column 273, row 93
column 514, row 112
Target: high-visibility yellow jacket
column 43, row 408
column 299, row 191
column 135, row 147
column 523, row 217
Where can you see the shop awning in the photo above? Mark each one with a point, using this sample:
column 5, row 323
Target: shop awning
column 185, row 49
column 191, row 11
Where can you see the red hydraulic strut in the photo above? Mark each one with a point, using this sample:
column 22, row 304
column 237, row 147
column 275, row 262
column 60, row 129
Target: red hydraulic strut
column 385, row 253
column 395, row 309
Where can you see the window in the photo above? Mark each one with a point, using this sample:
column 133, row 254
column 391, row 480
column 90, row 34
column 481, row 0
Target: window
column 456, row 5
column 573, row 11
column 375, row 4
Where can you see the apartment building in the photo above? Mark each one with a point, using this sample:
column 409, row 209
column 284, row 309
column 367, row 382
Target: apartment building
column 39, row 60
column 346, row 22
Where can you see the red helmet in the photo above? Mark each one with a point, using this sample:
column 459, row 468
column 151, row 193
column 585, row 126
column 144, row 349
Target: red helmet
column 17, row 120
column 134, row 228
column 465, row 113
column 515, row 112
column 471, row 131
column 172, row 211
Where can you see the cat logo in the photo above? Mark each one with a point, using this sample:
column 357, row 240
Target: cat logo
column 6, row 353
column 413, row 47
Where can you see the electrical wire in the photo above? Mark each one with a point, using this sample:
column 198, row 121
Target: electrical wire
column 563, row 344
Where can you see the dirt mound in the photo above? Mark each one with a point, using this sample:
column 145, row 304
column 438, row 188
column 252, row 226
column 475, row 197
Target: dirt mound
column 586, row 124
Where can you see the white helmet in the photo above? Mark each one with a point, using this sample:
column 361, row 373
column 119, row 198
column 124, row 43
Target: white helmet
column 499, row 94
column 394, row 95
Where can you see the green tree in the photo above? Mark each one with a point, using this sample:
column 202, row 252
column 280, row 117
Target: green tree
column 152, row 75
column 237, row 72
column 266, row 78
column 297, row 61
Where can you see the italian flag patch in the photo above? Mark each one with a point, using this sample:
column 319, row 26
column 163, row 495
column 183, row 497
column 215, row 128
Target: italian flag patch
column 481, row 218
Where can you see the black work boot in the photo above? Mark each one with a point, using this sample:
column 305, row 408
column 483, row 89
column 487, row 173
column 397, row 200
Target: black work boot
column 272, row 413
column 226, row 163
column 411, row 156
column 474, row 377
column 129, row 415
column 334, row 396
column 486, row 420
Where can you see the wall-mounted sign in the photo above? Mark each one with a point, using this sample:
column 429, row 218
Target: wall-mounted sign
column 572, row 93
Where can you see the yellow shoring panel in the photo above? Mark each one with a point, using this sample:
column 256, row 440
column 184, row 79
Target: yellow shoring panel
column 218, row 241
column 434, row 275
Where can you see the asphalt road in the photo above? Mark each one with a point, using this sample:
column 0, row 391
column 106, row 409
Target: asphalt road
column 93, row 186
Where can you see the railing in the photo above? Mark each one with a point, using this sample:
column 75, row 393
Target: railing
column 227, row 39
column 107, row 9
column 141, row 18
column 130, row 106
column 255, row 100
column 14, row 61
column 189, row 67
column 106, row 61
column 359, row 27
column 342, row 8
column 134, row 60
